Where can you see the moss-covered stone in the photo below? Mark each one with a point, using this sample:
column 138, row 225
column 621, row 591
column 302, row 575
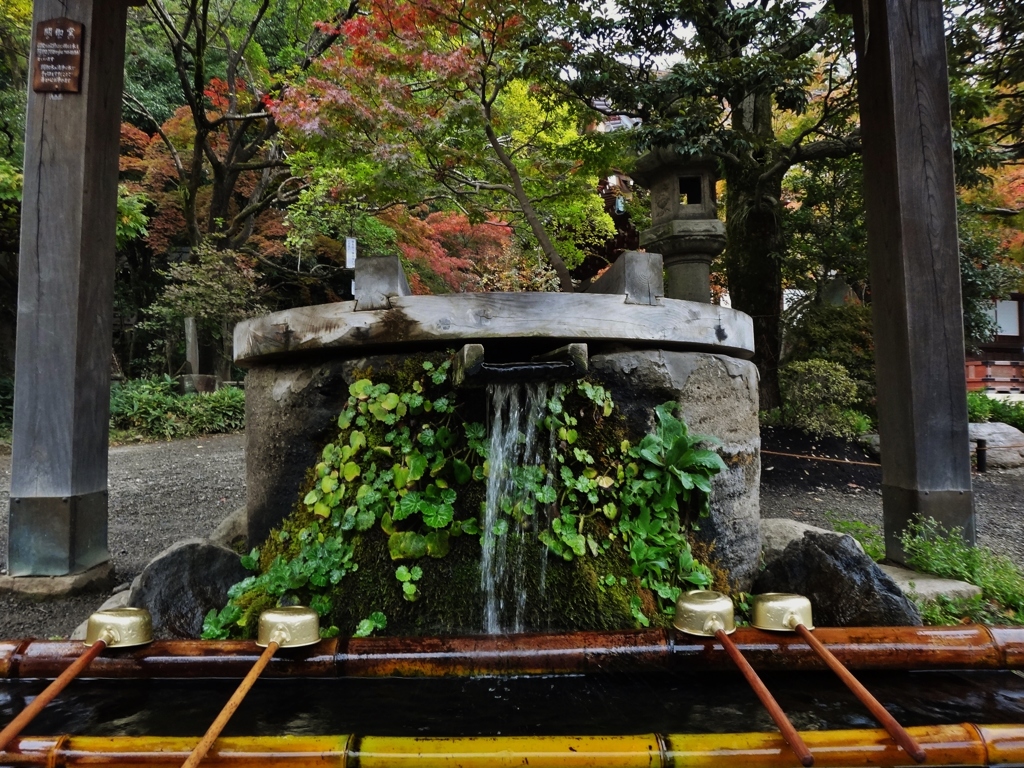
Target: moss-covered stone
column 595, row 591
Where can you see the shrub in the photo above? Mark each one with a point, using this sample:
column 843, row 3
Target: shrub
column 817, row 396
column 932, row 549
column 979, row 407
column 1007, row 413
column 839, row 334
column 151, row 408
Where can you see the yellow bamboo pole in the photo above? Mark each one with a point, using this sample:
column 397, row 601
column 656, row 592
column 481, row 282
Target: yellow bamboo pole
column 947, row 745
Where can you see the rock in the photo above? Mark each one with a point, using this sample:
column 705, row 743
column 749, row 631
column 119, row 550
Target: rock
column 182, row 583
column 871, row 443
column 99, row 578
column 846, row 588
column 997, row 435
column 233, row 531
column 777, row 533
column 928, row 586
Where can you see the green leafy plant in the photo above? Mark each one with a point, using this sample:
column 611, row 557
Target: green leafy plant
column 368, row 626
column 818, row 396
column 868, row 535
column 932, row 549
column 151, row 408
column 404, row 460
column 982, row 408
column 979, row 407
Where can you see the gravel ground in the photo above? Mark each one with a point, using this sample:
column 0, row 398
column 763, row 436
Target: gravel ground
column 161, row 493
column 998, row 503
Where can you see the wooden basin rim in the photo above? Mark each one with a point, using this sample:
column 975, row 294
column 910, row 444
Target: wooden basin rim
column 960, row 745
column 859, row 648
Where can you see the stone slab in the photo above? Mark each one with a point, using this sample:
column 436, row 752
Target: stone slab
column 638, row 276
column 463, row 318
column 928, row 586
column 95, row 579
column 1005, row 444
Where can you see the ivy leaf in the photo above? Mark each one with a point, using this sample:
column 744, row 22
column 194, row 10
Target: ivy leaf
column 417, row 465
column 403, row 574
column 410, row 592
column 438, row 516
column 357, row 440
column 407, row 506
column 437, row 543
column 351, row 471
column 251, row 561
column 312, row 497
column 365, row 519
column 345, row 418
column 390, row 402
column 401, row 477
column 463, row 473
column 360, row 389
column 407, row 546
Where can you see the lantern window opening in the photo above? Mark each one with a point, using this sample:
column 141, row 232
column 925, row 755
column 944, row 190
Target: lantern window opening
column 690, row 192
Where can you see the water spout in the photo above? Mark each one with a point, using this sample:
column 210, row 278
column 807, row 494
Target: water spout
column 511, row 510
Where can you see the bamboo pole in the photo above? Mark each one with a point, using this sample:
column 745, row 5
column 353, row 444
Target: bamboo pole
column 947, row 745
column 28, row 714
column 858, row 648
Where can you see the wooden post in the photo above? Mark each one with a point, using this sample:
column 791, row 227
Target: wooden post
column 915, row 274
column 58, row 518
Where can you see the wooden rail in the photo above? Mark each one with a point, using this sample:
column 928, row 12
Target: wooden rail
column 859, row 648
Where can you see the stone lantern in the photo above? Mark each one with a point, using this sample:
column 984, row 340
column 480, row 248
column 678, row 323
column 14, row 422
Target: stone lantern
column 685, row 227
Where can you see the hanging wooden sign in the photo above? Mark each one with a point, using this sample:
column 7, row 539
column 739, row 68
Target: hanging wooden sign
column 57, row 53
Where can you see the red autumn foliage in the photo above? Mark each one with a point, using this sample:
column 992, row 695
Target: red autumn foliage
column 448, row 247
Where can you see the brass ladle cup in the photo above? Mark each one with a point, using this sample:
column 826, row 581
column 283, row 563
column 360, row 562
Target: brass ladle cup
column 288, row 627
column 710, row 614
column 114, row 628
column 783, row 612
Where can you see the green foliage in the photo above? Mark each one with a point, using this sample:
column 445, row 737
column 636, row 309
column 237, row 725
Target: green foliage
column 405, row 463
column 818, row 396
column 868, row 535
column 979, row 407
column 131, row 216
column 932, row 549
column 982, row 408
column 840, row 334
column 367, row 627
column 824, row 222
column 151, row 408
column 985, row 275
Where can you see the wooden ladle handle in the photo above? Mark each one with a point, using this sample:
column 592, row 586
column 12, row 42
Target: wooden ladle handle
column 200, row 750
column 789, row 733
column 28, row 714
column 897, row 731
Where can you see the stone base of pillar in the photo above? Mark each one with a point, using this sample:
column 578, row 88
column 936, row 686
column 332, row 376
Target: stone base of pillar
column 57, row 535
column 99, row 578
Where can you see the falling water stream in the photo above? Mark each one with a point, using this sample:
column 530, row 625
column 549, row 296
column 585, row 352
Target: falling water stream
column 515, row 412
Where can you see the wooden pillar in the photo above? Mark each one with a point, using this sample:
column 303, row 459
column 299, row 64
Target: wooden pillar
column 58, row 511
column 915, row 274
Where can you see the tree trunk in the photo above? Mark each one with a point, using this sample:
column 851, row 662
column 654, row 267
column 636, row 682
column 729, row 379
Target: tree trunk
column 754, row 247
